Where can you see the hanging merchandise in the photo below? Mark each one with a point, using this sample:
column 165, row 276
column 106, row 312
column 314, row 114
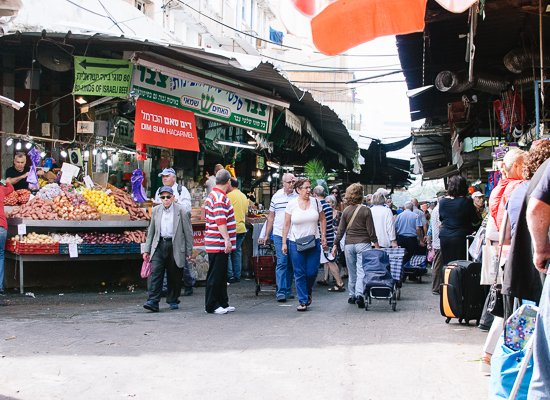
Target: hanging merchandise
column 137, row 186
column 32, row 178
column 492, row 180
column 509, row 110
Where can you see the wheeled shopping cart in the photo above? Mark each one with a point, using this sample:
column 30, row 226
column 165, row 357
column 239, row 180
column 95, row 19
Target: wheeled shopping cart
column 396, row 254
column 378, row 282
column 264, row 264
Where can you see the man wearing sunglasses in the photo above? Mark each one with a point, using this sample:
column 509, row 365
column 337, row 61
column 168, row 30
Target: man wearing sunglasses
column 275, row 220
column 168, row 247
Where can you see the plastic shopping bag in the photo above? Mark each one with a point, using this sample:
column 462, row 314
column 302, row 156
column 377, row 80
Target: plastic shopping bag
column 146, row 269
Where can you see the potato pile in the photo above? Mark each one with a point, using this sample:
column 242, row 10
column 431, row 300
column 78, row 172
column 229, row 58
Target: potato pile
column 66, row 209
column 36, row 209
column 34, row 238
column 136, row 236
column 20, row 196
column 124, row 200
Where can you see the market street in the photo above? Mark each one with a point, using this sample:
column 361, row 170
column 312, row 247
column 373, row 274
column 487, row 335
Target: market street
column 90, row 346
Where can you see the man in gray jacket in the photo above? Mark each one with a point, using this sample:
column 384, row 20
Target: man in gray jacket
column 168, row 247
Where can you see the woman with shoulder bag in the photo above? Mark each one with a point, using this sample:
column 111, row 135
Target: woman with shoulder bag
column 357, row 224
column 303, row 216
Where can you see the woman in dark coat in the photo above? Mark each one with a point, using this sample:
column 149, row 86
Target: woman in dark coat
column 458, row 215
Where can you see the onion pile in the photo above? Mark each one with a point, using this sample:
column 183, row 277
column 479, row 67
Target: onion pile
column 49, row 191
column 104, row 238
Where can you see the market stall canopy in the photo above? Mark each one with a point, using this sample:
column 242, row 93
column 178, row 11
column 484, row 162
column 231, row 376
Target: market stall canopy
column 442, row 172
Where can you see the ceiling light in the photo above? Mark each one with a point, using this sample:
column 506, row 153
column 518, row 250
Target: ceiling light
column 81, row 100
column 269, row 178
column 273, row 164
column 109, row 163
column 63, row 153
column 235, row 144
column 9, row 142
column 43, row 154
column 258, row 173
column 28, row 145
column 94, row 152
column 18, row 146
column 104, row 156
column 86, row 153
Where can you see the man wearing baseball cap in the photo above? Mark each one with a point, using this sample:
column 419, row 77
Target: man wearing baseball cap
column 181, row 194
column 168, row 247
column 479, row 203
column 183, row 198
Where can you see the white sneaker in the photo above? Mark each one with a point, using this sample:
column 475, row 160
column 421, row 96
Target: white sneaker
column 220, row 310
column 229, row 309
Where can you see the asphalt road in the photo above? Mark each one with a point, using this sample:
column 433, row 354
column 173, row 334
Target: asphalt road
column 106, row 346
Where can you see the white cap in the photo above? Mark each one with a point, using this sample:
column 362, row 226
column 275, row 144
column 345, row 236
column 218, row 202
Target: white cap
column 477, row 194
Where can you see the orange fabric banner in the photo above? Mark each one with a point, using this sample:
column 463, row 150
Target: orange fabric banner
column 164, row 126
column 347, row 23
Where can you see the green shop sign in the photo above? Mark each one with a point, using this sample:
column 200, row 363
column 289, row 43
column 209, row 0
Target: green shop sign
column 101, row 76
column 202, row 99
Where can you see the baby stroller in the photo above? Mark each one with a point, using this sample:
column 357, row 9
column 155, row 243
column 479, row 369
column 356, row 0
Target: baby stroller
column 378, row 282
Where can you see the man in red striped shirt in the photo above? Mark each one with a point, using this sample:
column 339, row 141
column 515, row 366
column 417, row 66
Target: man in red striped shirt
column 220, row 239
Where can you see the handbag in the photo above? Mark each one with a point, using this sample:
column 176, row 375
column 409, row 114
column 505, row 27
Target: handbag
column 146, row 269
column 510, row 352
column 305, row 243
column 431, row 255
column 495, row 304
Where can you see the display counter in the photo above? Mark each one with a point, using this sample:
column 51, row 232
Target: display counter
column 16, row 225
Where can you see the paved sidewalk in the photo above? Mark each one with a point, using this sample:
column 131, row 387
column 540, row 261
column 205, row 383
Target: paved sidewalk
column 106, row 346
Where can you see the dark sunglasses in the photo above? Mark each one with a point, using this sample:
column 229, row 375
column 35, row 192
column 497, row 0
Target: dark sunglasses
column 165, row 197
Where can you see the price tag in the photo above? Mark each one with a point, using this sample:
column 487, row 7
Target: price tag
column 88, row 182
column 21, row 229
column 108, row 191
column 142, row 247
column 73, row 250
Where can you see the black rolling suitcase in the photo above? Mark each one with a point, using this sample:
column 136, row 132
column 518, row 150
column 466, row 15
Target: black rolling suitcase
column 462, row 296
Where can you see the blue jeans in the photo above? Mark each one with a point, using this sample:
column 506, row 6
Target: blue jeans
column 283, row 271
column 236, row 259
column 3, row 236
column 539, row 389
column 306, row 266
column 356, row 273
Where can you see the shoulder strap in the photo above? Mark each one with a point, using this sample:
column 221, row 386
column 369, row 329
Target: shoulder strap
column 179, row 189
column 353, row 216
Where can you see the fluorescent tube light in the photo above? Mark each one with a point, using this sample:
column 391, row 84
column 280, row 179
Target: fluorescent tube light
column 235, row 144
column 273, row 165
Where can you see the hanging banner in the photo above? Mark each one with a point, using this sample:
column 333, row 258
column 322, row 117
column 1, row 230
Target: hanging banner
column 202, row 99
column 163, row 126
column 101, row 76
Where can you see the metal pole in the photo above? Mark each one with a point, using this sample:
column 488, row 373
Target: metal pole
column 541, row 63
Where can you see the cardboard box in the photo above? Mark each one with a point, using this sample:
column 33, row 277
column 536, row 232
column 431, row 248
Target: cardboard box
column 114, row 217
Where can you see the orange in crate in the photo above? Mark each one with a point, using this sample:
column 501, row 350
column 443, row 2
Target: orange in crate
column 264, row 265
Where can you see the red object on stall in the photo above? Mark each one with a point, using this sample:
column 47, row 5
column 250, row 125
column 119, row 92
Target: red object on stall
column 164, row 126
column 141, row 150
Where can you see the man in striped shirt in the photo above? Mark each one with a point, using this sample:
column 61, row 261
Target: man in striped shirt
column 276, row 220
column 220, row 239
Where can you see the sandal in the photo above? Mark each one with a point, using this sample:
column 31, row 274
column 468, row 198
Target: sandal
column 337, row 288
column 301, row 307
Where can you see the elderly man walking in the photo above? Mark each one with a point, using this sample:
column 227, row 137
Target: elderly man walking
column 169, row 246
column 275, row 221
column 410, row 231
column 220, row 239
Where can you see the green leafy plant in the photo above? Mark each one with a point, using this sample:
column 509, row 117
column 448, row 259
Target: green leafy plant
column 315, row 171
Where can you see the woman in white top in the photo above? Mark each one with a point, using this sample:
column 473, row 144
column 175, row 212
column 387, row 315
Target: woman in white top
column 303, row 216
column 383, row 221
